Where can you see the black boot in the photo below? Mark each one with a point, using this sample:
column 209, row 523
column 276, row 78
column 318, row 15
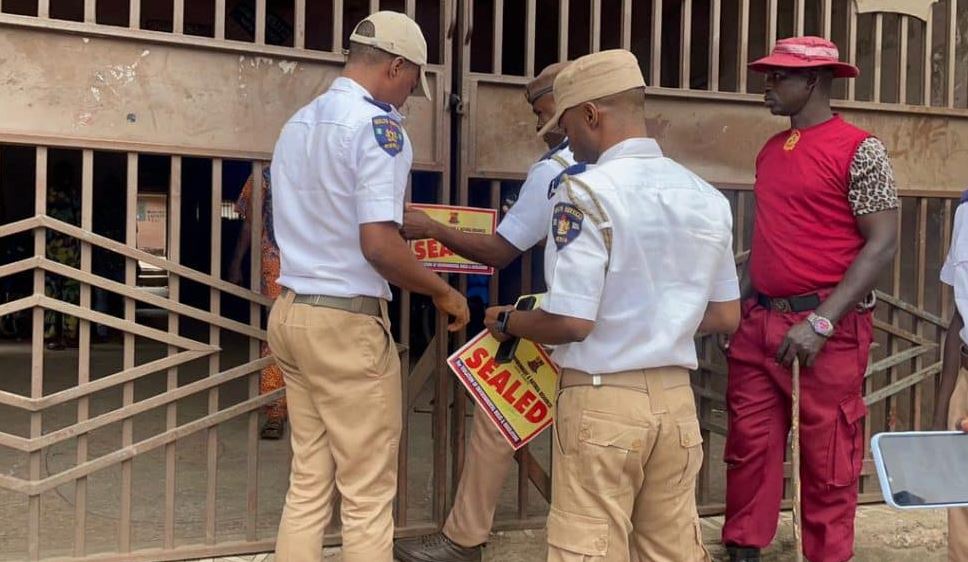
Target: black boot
column 743, row 554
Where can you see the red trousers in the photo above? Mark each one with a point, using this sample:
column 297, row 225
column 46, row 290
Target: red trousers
column 832, row 447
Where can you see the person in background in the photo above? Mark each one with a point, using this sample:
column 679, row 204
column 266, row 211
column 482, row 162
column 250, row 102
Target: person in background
column 271, row 377
column 951, row 403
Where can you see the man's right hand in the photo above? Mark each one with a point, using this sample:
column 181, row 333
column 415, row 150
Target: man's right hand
column 453, row 304
column 416, row 224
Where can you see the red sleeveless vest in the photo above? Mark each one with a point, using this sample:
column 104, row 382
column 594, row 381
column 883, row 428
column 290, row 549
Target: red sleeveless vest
column 805, row 234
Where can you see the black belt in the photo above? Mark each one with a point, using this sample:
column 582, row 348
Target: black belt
column 800, row 303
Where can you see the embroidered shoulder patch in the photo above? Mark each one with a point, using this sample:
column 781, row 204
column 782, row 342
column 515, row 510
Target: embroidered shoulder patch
column 566, row 223
column 569, row 171
column 388, row 134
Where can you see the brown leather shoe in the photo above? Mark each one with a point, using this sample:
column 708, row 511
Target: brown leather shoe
column 434, row 548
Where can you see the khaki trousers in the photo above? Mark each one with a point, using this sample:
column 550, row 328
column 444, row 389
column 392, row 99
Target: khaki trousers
column 625, row 466
column 487, row 462
column 342, row 377
column 958, row 518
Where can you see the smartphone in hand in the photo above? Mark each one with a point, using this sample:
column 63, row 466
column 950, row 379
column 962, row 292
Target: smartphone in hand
column 507, row 349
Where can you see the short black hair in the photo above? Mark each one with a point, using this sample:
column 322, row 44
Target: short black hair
column 367, row 54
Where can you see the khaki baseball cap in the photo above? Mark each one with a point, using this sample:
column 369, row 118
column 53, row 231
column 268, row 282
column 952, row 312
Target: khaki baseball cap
column 594, row 77
column 396, row 34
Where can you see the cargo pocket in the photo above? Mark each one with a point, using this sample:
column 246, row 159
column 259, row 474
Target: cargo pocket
column 607, row 444
column 576, row 538
column 846, row 453
column 690, row 439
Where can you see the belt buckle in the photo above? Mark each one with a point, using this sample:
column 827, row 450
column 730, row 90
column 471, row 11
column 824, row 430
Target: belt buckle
column 782, row 305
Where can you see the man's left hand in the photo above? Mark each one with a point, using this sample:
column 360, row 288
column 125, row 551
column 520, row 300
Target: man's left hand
column 490, row 322
column 801, row 341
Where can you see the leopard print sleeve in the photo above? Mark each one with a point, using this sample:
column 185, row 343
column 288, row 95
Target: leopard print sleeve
column 872, row 187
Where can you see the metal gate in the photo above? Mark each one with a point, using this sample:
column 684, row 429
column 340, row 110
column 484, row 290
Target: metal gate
column 122, row 117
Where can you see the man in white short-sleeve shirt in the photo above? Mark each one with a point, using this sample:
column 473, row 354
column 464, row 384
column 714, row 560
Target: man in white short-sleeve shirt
column 638, row 259
column 339, row 173
column 489, row 457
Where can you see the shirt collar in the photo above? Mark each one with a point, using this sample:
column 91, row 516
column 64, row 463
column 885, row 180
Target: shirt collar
column 344, row 84
column 640, row 147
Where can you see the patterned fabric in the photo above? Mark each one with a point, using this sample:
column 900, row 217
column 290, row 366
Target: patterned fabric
column 872, row 185
column 271, row 378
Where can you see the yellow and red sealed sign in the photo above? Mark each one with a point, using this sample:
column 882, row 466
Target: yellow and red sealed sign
column 518, row 396
column 442, row 259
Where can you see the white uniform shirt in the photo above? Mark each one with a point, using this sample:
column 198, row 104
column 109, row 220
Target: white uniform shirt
column 526, row 223
column 341, row 161
column 955, row 269
column 671, row 254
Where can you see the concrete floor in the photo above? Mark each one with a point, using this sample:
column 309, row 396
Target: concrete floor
column 883, row 535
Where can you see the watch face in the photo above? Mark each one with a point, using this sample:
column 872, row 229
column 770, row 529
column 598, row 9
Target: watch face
column 823, row 326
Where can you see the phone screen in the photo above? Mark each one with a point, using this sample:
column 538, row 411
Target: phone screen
column 925, row 469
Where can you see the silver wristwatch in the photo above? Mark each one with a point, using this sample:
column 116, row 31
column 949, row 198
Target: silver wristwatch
column 822, row 326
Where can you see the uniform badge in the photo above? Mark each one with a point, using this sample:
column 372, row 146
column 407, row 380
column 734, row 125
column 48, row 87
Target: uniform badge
column 792, row 141
column 566, row 223
column 388, row 135
column 570, row 170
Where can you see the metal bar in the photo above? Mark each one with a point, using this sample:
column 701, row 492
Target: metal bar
column 374, row 6
column 84, row 351
column 563, row 30
column 411, row 8
column 595, row 31
column 928, row 60
column 120, row 455
column 918, row 394
column 299, row 40
column 497, row 42
column 43, row 8
column 174, row 291
column 90, row 11
column 685, row 42
column 156, row 401
column 799, row 17
column 260, row 22
column 219, row 19
column 134, row 15
column 902, row 92
column 952, row 50
column 171, row 268
column 178, row 17
column 852, row 47
column 715, row 24
column 943, row 250
column 772, row 12
column 827, row 18
column 740, row 221
column 337, row 26
column 744, row 48
column 657, row 43
column 895, row 332
column 529, row 43
column 255, row 320
column 37, row 355
column 214, row 338
column 878, row 54
column 627, row 24
column 524, row 465
column 155, row 301
column 128, row 362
